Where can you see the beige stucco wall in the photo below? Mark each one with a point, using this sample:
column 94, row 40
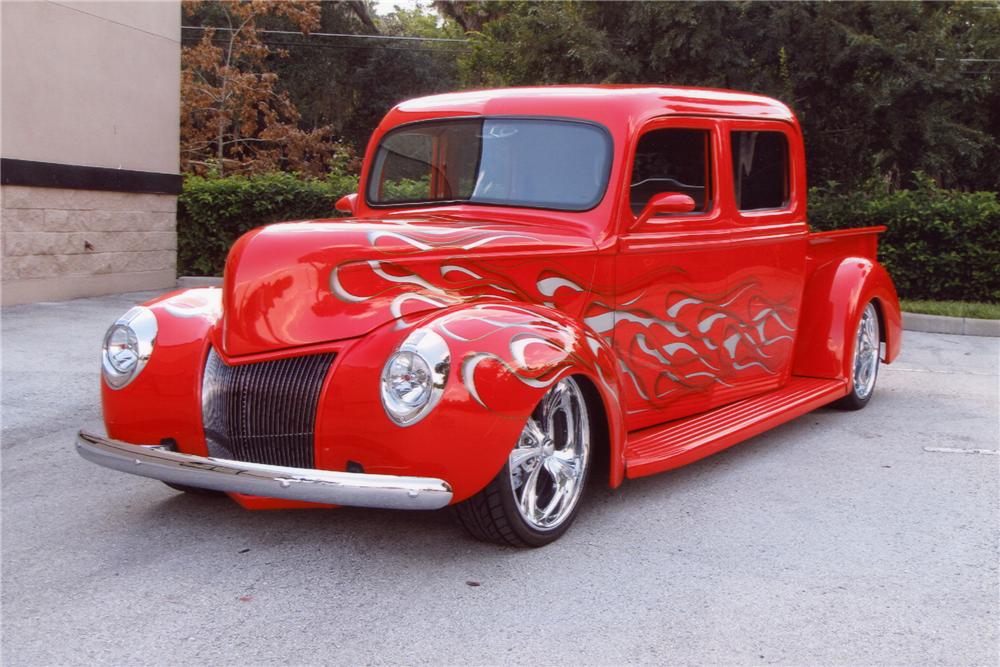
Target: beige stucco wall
column 90, row 84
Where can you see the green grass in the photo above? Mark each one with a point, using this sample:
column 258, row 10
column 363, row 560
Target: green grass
column 977, row 310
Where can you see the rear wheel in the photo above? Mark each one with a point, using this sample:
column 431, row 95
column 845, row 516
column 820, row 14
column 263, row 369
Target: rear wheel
column 864, row 369
column 535, row 497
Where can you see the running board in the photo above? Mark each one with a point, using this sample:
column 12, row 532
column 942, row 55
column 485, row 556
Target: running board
column 680, row 442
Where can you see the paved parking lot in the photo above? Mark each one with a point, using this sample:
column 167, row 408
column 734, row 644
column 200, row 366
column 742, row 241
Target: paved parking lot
column 835, row 539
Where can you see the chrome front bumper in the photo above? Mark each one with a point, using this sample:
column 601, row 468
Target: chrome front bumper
column 257, row 479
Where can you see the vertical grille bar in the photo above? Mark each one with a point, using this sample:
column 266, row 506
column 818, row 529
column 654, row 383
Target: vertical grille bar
column 263, row 412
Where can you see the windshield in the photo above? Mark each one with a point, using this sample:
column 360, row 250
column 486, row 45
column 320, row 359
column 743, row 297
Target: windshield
column 538, row 163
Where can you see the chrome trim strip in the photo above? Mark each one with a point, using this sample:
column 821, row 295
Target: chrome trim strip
column 317, row 486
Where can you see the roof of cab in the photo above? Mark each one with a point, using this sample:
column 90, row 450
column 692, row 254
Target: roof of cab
column 606, row 103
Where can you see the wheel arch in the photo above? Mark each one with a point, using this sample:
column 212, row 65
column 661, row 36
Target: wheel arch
column 832, row 301
column 576, row 352
column 610, row 445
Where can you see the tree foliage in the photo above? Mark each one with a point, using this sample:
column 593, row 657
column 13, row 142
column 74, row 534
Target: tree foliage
column 233, row 117
column 213, row 212
column 939, row 244
column 348, row 84
column 882, row 88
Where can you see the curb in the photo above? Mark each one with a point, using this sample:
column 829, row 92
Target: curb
column 962, row 326
column 187, row 282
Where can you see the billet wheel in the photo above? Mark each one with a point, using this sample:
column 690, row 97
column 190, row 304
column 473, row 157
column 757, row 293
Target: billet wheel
column 535, row 497
column 864, row 368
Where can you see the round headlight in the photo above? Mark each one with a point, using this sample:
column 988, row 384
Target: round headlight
column 128, row 346
column 407, row 381
column 414, row 376
column 122, row 348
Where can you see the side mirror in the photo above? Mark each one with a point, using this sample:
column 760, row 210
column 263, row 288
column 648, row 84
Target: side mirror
column 666, row 202
column 347, row 204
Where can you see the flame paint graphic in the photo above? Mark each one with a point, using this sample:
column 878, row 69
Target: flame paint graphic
column 200, row 302
column 666, row 346
column 534, row 349
column 695, row 341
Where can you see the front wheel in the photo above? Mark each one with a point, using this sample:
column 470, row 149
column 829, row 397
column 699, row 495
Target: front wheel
column 535, row 497
column 864, row 369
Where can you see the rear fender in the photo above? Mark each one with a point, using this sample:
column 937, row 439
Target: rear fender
column 834, row 296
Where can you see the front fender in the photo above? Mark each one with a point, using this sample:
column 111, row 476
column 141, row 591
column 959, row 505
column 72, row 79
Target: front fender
column 504, row 357
column 834, row 296
column 164, row 401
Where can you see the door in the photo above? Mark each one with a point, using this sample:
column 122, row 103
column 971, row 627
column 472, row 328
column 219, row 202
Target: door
column 767, row 254
column 671, row 274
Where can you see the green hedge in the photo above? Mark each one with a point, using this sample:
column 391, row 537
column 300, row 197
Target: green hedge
column 213, row 212
column 940, row 244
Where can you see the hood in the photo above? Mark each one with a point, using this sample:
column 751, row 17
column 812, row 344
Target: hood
column 301, row 283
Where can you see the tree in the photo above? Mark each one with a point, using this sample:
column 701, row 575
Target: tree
column 233, row 116
column 471, row 15
column 350, row 83
column 883, row 89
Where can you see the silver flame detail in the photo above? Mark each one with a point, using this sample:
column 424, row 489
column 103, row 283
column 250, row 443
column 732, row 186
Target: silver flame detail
column 373, row 238
column 490, row 239
column 548, row 286
column 635, row 381
column 396, row 307
column 720, row 354
column 411, row 279
column 210, row 306
column 452, row 268
column 471, row 362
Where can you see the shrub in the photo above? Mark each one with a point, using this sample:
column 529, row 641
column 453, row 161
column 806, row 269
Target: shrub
column 939, row 245
column 406, row 189
column 213, row 212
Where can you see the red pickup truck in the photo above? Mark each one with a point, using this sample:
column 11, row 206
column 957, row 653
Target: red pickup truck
column 532, row 282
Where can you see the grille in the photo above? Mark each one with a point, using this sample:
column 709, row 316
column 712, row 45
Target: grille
column 263, row 412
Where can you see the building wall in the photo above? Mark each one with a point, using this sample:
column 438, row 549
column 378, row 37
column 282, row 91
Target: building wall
column 88, row 84
column 61, row 244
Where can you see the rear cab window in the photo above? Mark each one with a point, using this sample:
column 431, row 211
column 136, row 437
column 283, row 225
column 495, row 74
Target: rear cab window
column 761, row 178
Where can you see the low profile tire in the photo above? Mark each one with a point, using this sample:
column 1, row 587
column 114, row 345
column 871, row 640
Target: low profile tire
column 535, row 497
column 865, row 361
column 184, row 488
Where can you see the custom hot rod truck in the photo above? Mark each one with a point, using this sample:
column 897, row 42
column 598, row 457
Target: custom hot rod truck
column 533, row 284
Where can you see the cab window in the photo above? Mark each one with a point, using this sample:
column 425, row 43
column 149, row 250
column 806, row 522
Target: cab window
column 760, row 170
column 672, row 160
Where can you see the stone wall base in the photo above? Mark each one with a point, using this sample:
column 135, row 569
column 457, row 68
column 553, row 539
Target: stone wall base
column 61, row 289
column 62, row 244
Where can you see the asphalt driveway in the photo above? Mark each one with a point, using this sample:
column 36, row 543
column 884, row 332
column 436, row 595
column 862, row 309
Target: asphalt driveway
column 840, row 538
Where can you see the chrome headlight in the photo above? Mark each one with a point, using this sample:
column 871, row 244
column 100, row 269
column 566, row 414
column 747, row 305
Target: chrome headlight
column 414, row 376
column 128, row 346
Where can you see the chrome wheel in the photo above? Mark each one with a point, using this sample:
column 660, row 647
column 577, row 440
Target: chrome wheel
column 866, row 353
column 549, row 465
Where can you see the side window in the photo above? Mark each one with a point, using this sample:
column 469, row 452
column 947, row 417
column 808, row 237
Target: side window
column 760, row 170
column 672, row 160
